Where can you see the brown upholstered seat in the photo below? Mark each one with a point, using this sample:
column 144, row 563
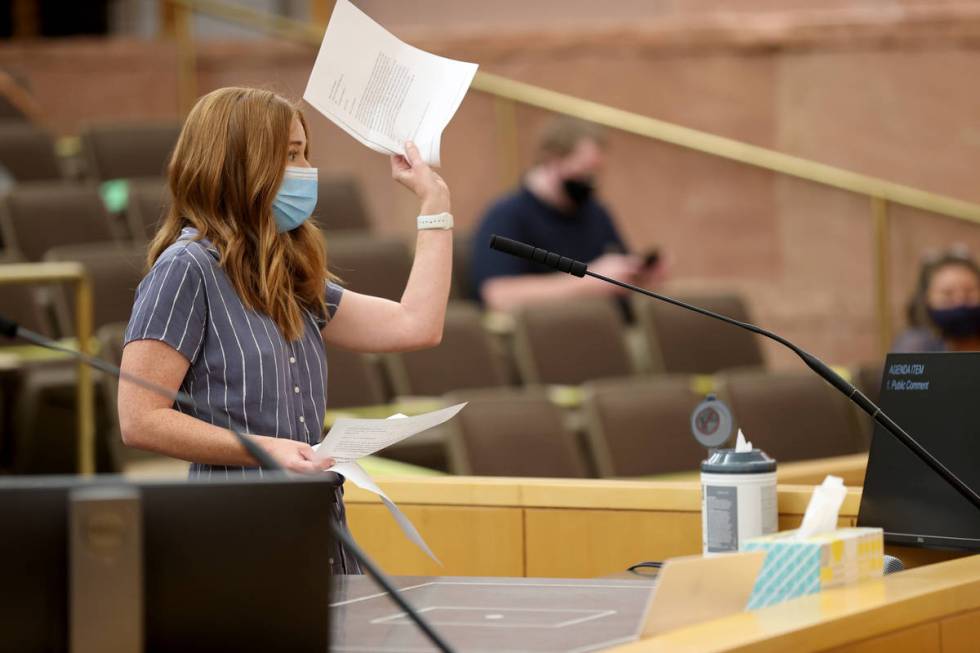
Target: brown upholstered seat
column 684, row 342
column 146, row 207
column 466, row 358
column 512, row 432
column 372, row 265
column 792, row 415
column 37, row 217
column 462, row 261
column 27, row 152
column 571, row 342
column 642, row 427
column 353, row 379
column 127, row 151
column 340, row 205
column 114, row 271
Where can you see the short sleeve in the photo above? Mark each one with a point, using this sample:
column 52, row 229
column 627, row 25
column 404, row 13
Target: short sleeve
column 171, row 306
column 334, row 295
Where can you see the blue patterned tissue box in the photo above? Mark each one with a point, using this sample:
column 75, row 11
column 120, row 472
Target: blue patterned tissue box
column 798, row 567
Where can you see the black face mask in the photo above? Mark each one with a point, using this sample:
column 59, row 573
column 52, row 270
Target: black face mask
column 579, row 191
column 958, row 321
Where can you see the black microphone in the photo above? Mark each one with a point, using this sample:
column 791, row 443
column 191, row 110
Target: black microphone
column 544, row 257
column 892, row 565
column 11, row 330
column 523, row 250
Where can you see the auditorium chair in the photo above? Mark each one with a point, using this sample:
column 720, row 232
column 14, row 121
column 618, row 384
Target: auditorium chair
column 373, row 265
column 353, row 379
column 642, row 427
column 683, row 342
column 146, row 207
column 45, row 431
column 129, row 150
column 340, row 206
column 114, row 271
column 570, row 342
column 462, row 259
column 466, row 358
column 512, row 432
column 27, row 152
column 792, row 415
column 40, row 216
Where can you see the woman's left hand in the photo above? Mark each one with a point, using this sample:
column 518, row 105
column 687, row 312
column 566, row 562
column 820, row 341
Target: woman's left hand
column 416, row 175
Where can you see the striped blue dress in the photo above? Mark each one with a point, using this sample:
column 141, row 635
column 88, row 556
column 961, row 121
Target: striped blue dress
column 242, row 372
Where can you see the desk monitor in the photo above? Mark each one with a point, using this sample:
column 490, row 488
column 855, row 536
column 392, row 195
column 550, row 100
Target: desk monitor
column 935, row 397
column 229, row 565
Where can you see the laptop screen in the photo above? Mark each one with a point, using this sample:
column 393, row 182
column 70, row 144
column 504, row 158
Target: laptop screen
column 935, row 397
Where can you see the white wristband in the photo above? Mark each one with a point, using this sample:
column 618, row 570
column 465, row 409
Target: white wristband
column 436, row 221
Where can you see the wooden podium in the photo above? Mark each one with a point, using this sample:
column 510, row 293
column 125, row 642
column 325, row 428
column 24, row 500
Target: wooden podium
column 559, row 528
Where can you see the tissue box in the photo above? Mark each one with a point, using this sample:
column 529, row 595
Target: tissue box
column 794, row 567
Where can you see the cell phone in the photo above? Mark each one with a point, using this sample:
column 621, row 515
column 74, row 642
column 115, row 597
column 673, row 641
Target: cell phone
column 651, row 258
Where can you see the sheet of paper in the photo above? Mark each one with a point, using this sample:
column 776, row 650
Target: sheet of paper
column 382, row 91
column 357, row 475
column 350, row 439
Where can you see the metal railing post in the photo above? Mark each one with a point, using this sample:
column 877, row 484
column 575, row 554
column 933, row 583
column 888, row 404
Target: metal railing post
column 882, row 278
column 186, row 58
column 508, row 155
column 74, row 273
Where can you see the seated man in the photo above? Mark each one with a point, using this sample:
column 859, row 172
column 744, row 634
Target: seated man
column 554, row 209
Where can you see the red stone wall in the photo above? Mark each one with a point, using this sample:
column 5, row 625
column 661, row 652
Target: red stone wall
column 883, row 88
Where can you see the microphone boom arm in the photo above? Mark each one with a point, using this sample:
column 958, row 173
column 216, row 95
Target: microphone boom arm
column 578, row 268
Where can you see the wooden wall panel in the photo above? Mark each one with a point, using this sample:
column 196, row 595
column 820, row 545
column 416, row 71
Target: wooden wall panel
column 591, row 543
column 961, row 634
column 470, row 541
column 923, row 638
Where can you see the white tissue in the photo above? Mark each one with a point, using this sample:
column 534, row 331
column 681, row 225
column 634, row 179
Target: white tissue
column 821, row 512
column 741, row 445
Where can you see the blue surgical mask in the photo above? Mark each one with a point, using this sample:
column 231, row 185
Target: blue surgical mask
column 958, row 321
column 296, row 199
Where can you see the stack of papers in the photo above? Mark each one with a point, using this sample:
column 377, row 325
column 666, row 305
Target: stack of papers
column 382, row 91
column 351, row 439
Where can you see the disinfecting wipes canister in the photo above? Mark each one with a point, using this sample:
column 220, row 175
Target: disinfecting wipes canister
column 738, row 498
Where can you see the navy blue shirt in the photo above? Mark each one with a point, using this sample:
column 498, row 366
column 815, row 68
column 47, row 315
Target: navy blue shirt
column 584, row 234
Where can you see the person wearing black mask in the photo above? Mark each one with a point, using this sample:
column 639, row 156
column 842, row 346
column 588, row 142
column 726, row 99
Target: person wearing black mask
column 944, row 313
column 556, row 209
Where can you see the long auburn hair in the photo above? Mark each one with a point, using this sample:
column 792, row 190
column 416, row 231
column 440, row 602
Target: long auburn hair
column 225, row 171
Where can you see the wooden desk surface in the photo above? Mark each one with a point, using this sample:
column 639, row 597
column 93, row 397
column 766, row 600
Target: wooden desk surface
column 569, row 493
column 931, row 609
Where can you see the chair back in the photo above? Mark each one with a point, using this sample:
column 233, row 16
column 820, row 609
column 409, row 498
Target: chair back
column 372, row 265
column 466, row 358
column 127, row 151
column 40, row 216
column 27, row 152
column 114, row 271
column 571, row 342
column 512, row 432
column 642, row 427
column 792, row 415
column 340, row 206
column 683, row 342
